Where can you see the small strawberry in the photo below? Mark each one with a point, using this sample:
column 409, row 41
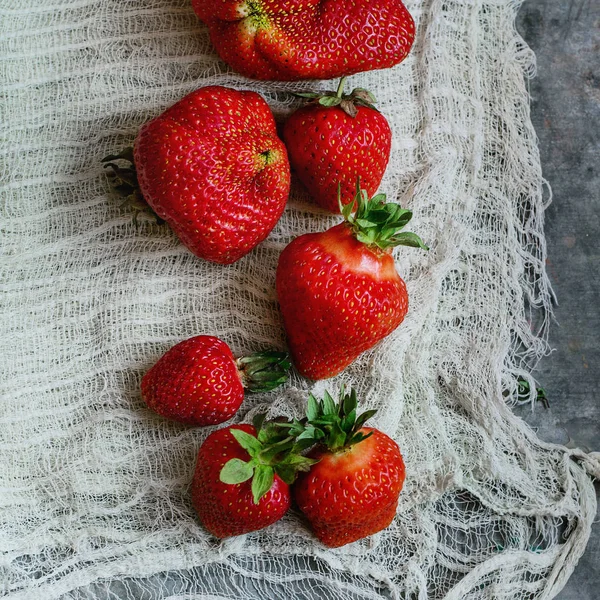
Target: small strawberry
column 242, row 477
column 287, row 40
column 335, row 139
column 213, row 168
column 339, row 291
column 352, row 490
column 200, row 382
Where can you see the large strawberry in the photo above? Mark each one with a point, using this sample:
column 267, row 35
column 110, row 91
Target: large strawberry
column 352, row 490
column 339, row 291
column 242, row 477
column 200, row 382
column 336, row 139
column 213, row 167
column 307, row 39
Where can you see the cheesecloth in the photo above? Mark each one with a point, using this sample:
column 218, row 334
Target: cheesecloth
column 95, row 489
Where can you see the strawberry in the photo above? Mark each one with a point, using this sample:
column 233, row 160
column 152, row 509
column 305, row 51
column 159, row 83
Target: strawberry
column 200, row 382
column 212, row 167
column 288, row 40
column 339, row 291
column 335, row 139
column 242, row 476
column 352, row 490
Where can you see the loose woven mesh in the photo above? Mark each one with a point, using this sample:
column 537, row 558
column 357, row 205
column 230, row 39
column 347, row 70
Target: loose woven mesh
column 95, row 489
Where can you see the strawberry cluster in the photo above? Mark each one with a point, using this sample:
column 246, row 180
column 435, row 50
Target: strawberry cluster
column 347, row 484
column 213, row 167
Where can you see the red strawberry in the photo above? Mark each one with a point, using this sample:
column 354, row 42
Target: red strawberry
column 335, row 140
column 339, row 291
column 213, row 167
column 352, row 491
column 239, row 484
column 307, row 39
column 200, row 382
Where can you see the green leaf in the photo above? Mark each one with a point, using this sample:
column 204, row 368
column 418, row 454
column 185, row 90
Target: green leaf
column 329, row 407
column 299, row 460
column 324, row 420
column 302, row 445
column 364, row 417
column 409, row 239
column 236, row 471
column 297, row 428
column 360, row 437
column 265, row 381
column 378, row 199
column 349, row 420
column 347, row 209
column 350, row 402
column 270, row 453
column 337, row 437
column 247, row 441
column 289, row 470
column 264, row 371
column 312, row 408
column 273, row 432
column 363, row 94
column 310, row 436
column 365, row 223
column 287, row 473
column 307, row 94
column 354, row 398
column 366, row 237
column 330, row 101
column 258, row 422
column 379, row 217
column 399, row 217
column 262, row 481
column 308, row 433
column 319, row 435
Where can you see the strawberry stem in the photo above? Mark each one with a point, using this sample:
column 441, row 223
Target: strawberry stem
column 340, row 88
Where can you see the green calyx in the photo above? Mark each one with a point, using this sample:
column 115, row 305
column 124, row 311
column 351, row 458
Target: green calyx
column 336, row 425
column 278, row 446
column 273, row 450
column 347, row 102
column 125, row 182
column 378, row 223
column 264, row 371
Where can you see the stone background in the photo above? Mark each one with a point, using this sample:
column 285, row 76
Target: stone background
column 565, row 109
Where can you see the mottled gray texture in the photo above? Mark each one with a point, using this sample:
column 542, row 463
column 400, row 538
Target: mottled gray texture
column 565, row 35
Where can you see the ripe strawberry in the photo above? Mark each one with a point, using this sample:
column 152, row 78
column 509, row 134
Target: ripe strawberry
column 287, row 40
column 336, row 139
column 352, row 491
column 242, row 477
column 200, row 382
column 339, row 291
column 213, row 167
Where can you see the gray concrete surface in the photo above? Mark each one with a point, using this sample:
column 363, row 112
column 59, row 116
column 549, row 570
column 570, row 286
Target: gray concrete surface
column 565, row 35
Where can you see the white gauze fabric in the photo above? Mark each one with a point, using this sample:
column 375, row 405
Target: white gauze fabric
column 94, row 488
